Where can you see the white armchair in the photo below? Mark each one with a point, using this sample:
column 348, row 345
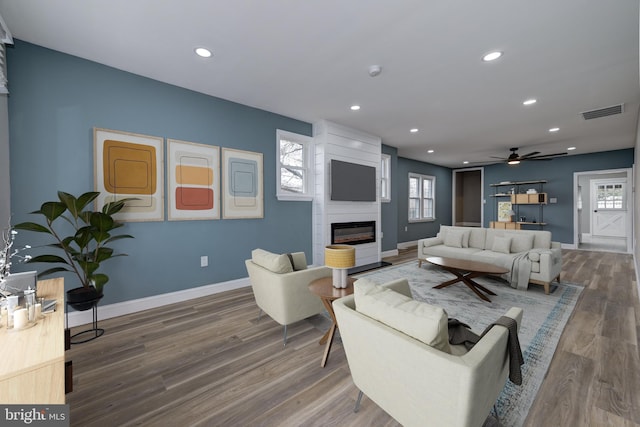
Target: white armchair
column 280, row 286
column 415, row 383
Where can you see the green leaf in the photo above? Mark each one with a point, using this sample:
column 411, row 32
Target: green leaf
column 32, row 226
column 69, row 201
column 114, row 238
column 88, row 267
column 52, row 210
column 83, row 237
column 86, row 198
column 48, row 258
column 101, row 221
column 99, row 280
column 112, row 208
column 103, row 254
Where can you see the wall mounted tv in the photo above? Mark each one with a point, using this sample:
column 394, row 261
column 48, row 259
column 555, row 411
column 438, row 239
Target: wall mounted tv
column 352, row 182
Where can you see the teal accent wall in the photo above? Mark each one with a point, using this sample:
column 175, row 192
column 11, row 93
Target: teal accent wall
column 559, row 176
column 419, row 230
column 56, row 100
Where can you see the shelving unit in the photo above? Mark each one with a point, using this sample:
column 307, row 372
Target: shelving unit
column 517, row 198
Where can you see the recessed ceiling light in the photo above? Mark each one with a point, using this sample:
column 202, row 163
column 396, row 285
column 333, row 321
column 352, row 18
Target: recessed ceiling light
column 554, row 129
column 466, row 162
column 414, row 130
column 429, row 151
column 355, row 107
column 571, row 148
column 530, row 101
column 203, row 52
column 492, row 56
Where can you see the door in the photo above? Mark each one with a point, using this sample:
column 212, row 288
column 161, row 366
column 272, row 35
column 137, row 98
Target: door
column 609, row 207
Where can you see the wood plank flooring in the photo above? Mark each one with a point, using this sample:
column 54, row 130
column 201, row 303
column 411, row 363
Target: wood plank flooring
column 209, row 362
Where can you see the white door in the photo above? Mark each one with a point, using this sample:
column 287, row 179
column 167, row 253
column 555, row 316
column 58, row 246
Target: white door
column 609, row 207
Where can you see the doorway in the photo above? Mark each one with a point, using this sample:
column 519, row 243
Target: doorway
column 603, row 210
column 468, row 194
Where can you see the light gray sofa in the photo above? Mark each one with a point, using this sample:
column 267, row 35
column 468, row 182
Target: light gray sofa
column 530, row 255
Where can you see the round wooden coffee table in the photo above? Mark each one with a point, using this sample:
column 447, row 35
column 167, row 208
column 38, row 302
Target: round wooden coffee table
column 465, row 271
column 324, row 289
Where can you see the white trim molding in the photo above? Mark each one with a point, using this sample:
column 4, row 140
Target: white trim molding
column 109, row 311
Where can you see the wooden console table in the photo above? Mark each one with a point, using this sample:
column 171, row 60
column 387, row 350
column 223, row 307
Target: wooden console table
column 32, row 367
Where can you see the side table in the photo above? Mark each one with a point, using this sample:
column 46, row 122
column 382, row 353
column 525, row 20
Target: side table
column 324, row 289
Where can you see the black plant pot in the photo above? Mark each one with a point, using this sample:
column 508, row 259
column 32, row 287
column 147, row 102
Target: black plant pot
column 82, row 299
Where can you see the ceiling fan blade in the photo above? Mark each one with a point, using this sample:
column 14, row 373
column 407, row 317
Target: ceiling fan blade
column 539, row 158
column 551, row 155
column 533, row 153
column 501, row 158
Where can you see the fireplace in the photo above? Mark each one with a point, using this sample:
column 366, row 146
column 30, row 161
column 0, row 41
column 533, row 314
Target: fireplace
column 353, row 233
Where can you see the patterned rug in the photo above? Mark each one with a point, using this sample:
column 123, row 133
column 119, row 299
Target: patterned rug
column 544, row 318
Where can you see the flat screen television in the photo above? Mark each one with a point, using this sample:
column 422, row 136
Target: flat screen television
column 352, row 182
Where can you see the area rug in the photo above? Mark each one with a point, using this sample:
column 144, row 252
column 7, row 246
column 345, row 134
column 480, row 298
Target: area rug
column 544, row 318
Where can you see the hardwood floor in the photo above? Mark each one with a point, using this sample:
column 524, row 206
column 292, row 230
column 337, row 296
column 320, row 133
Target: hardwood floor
column 208, row 362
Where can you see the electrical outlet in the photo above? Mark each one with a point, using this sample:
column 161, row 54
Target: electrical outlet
column 204, row 261
column 405, row 228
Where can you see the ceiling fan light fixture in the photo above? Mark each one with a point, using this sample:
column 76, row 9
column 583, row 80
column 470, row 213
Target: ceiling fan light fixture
column 530, row 101
column 355, row 107
column 513, row 162
column 556, row 129
column 414, row 130
column 571, row 148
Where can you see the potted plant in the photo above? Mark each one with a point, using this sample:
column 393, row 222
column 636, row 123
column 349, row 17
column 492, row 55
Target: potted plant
column 85, row 248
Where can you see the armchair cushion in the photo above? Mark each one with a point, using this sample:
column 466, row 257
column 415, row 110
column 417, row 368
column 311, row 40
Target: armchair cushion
column 273, row 262
column 417, row 319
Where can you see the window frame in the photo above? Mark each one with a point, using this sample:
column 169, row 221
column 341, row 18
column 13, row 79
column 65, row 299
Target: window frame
column 307, row 167
column 421, row 197
column 385, row 181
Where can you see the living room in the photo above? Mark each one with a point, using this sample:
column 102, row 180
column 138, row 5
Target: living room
column 57, row 99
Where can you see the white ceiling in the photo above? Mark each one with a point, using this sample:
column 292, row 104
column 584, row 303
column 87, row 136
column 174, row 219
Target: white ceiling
column 309, row 60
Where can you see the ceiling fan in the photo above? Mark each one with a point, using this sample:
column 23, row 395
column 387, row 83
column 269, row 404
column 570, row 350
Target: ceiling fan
column 514, row 158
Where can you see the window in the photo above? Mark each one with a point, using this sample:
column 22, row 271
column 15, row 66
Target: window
column 610, row 196
column 294, row 166
column 422, row 197
column 385, row 178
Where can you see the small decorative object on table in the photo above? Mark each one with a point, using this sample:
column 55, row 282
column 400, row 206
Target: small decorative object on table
column 339, row 258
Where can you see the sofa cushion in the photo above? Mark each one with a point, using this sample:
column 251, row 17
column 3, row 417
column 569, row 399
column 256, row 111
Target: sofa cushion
column 477, row 237
column 501, row 244
column 272, row 262
column 521, row 242
column 453, row 238
column 422, row 321
column 299, row 260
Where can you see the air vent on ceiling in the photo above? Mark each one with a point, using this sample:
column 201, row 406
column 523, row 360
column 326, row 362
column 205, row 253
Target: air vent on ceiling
column 603, row 112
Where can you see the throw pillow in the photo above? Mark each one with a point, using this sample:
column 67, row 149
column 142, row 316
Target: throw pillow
column 298, row 261
column 453, row 238
column 521, row 242
column 272, row 262
column 422, row 321
column 501, row 244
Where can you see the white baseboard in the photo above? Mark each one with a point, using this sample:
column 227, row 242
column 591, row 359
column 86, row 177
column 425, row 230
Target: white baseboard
column 77, row 318
column 407, row 245
column 386, row 254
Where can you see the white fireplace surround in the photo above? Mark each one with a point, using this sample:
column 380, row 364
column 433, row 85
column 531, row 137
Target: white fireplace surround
column 333, row 141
